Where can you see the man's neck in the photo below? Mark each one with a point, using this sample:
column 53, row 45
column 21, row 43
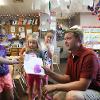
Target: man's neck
column 75, row 50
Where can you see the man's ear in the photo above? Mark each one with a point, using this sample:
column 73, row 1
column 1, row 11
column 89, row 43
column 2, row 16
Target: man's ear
column 78, row 39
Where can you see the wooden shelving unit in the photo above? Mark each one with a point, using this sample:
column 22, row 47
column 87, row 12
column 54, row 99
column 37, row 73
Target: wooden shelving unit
column 20, row 25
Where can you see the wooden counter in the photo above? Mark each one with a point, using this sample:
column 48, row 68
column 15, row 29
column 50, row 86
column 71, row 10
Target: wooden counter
column 13, row 51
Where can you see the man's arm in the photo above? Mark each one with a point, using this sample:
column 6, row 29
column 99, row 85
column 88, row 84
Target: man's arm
column 57, row 77
column 81, row 85
column 7, row 61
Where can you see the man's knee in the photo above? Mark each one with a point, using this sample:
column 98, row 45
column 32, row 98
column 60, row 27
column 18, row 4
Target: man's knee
column 59, row 96
column 74, row 95
column 56, row 97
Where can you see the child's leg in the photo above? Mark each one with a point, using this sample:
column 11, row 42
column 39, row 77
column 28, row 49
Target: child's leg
column 26, row 78
column 39, row 86
column 30, row 82
column 45, row 82
column 34, row 88
column 30, row 91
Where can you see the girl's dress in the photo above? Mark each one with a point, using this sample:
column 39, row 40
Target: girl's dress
column 32, row 77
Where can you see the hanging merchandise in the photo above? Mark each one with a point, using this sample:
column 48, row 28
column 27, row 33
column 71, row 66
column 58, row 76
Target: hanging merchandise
column 91, row 7
column 9, row 36
column 29, row 22
column 20, row 21
column 36, row 21
column 99, row 17
column 12, row 29
column 24, row 21
column 14, row 22
column 32, row 21
column 95, row 7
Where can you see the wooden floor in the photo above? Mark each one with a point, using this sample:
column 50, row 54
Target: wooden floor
column 62, row 67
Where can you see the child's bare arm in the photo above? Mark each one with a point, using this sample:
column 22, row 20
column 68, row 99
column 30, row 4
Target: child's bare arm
column 7, row 61
column 22, row 51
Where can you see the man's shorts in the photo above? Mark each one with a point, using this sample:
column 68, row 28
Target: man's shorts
column 6, row 82
column 91, row 95
column 88, row 95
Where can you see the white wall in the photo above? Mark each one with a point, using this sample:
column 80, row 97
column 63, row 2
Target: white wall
column 87, row 19
column 84, row 19
column 90, row 20
column 44, row 22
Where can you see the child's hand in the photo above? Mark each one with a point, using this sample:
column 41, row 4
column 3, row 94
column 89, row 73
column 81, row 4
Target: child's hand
column 15, row 61
column 21, row 59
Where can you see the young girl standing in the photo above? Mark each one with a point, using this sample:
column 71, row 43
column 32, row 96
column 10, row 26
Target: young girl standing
column 48, row 49
column 34, row 81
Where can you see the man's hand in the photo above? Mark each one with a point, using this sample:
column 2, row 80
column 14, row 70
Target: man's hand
column 47, row 70
column 48, row 88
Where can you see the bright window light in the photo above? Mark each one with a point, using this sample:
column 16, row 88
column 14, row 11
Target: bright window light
column 66, row 0
column 46, row 1
column 2, row 2
column 58, row 2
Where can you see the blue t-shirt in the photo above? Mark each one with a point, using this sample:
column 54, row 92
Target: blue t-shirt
column 3, row 67
column 47, row 59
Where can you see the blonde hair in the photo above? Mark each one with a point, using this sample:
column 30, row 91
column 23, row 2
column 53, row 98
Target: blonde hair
column 49, row 33
column 31, row 38
column 28, row 35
